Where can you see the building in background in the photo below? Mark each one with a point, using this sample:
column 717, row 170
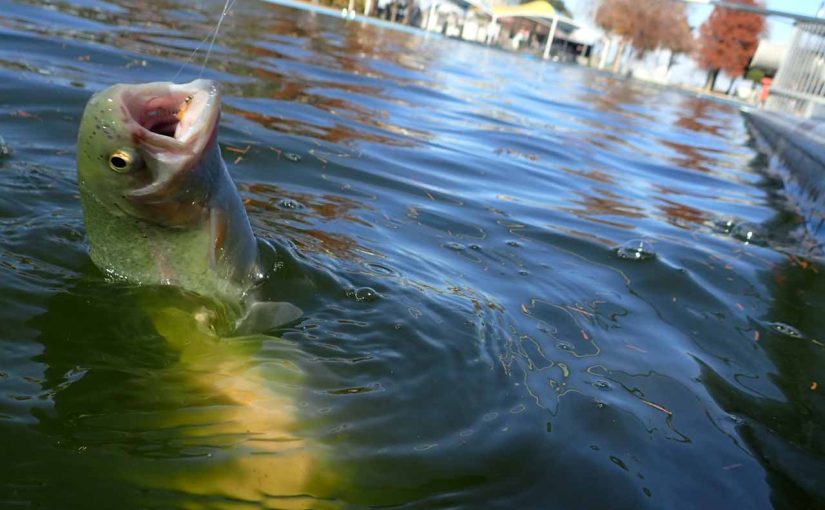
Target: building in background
column 535, row 26
column 799, row 85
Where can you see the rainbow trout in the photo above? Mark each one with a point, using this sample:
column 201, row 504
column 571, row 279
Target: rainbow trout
column 159, row 205
column 161, row 209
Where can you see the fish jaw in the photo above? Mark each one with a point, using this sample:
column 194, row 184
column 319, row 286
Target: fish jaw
column 173, row 127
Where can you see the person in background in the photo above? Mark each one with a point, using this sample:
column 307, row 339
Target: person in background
column 766, row 90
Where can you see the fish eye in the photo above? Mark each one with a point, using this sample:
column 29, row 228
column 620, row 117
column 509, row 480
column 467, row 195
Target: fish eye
column 121, row 161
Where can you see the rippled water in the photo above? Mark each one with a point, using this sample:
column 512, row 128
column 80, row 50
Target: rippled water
column 525, row 285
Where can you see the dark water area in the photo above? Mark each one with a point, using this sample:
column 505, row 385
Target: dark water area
column 524, row 285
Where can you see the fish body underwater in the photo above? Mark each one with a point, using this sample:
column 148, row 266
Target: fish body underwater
column 160, row 209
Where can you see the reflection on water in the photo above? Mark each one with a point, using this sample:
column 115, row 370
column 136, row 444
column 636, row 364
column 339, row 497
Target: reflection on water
column 524, row 284
column 781, row 424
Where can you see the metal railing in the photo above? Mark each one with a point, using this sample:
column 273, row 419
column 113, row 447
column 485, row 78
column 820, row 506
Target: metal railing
column 799, row 85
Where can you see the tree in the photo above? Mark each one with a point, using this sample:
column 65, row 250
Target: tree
column 646, row 25
column 727, row 41
column 615, row 17
column 678, row 35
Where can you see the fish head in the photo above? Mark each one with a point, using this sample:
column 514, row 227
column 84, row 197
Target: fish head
column 142, row 150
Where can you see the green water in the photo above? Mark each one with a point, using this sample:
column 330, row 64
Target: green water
column 461, row 227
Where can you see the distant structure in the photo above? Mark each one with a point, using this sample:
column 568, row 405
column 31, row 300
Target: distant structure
column 535, row 26
column 769, row 56
column 799, row 85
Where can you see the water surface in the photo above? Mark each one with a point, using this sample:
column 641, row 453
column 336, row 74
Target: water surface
column 525, row 285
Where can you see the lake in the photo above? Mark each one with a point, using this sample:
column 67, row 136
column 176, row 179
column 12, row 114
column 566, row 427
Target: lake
column 524, row 284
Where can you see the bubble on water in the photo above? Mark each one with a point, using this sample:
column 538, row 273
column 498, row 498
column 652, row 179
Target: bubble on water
column 750, row 233
column 475, row 247
column 724, row 226
column 565, row 346
column 5, row 150
column 619, row 462
column 602, row 385
column 380, row 269
column 601, row 404
column 747, row 232
column 785, row 329
column 364, row 294
column 513, row 244
column 636, row 249
column 454, row 246
column 735, row 419
column 490, row 416
column 289, row 203
column 350, row 391
column 291, row 156
column 524, row 272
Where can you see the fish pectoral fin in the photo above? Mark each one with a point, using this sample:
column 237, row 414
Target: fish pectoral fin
column 266, row 315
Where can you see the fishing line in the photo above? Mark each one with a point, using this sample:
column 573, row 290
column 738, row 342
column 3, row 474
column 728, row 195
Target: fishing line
column 226, row 6
column 213, row 34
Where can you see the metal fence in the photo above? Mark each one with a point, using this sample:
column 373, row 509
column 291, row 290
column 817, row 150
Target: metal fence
column 799, row 85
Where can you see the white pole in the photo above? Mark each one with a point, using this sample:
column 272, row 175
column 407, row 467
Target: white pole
column 431, row 20
column 550, row 37
column 367, row 7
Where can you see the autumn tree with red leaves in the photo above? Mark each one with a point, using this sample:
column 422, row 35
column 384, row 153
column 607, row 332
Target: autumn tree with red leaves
column 646, row 25
column 678, row 35
column 727, row 41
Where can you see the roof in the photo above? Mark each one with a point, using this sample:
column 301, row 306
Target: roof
column 537, row 10
column 534, row 9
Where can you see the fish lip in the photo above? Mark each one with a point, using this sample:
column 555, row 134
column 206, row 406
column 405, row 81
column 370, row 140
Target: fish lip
column 168, row 156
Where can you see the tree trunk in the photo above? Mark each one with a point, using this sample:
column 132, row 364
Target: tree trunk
column 617, row 60
column 730, row 86
column 710, row 83
column 393, row 11
column 672, row 60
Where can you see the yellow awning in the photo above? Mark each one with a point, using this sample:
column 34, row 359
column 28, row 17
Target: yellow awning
column 535, row 9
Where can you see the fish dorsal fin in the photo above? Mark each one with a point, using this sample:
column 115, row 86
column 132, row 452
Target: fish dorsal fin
column 263, row 316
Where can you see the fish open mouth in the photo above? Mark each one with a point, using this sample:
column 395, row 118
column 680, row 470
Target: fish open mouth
column 173, row 126
column 172, row 116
